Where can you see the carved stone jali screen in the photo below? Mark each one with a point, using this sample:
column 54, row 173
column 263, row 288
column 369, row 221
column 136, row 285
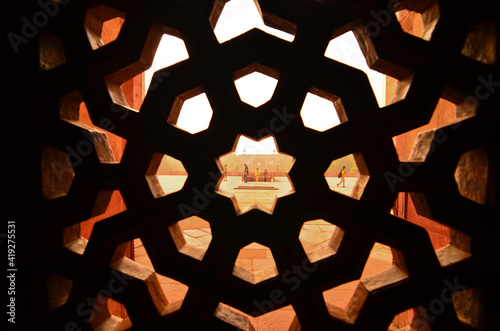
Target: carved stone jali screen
column 450, row 175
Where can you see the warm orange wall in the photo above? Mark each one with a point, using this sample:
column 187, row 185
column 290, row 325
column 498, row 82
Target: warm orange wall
column 444, row 113
column 133, row 92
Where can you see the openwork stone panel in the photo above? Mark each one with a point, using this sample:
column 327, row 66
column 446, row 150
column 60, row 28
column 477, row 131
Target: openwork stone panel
column 457, row 60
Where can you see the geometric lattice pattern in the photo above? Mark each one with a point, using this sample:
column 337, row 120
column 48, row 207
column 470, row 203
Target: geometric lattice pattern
column 457, row 60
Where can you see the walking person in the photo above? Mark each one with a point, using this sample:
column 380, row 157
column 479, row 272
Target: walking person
column 245, row 174
column 342, row 177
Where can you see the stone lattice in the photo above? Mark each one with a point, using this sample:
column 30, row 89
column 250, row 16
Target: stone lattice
column 456, row 60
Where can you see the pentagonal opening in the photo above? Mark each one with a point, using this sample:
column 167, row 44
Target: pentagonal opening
column 270, row 318
column 411, row 319
column 256, row 84
column 107, row 204
column 125, row 91
column 108, row 314
column 255, row 174
column 108, row 146
column 348, row 175
column 345, row 301
column 255, row 264
column 128, row 85
column 469, row 304
column 345, row 49
column 103, row 25
column 451, row 245
column 173, row 290
column 192, row 236
column 230, row 19
column 320, row 239
column 191, row 111
column 56, row 171
column 130, row 261
column 419, row 23
column 170, row 51
column 388, row 88
column 473, row 176
column 322, row 111
column 481, row 43
column 165, row 175
column 58, row 290
column 413, row 145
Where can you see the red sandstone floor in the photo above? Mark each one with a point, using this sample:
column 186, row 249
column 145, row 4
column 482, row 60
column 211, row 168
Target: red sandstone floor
column 255, row 258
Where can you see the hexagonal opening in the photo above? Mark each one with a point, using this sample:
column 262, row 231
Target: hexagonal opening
column 229, row 19
column 165, row 175
column 276, row 319
column 191, row 111
column 345, row 301
column 256, row 84
column 255, row 264
column 320, row 239
column 322, row 111
column 255, row 174
column 107, row 204
column 170, row 51
column 420, row 23
column 103, row 25
column 192, row 236
column 348, row 175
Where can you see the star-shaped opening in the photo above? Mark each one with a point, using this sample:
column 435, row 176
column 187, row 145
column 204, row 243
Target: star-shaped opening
column 255, row 174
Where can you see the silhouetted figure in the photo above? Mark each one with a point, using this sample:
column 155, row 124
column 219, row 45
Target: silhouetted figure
column 342, row 177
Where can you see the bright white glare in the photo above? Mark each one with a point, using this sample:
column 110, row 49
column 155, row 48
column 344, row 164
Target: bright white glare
column 170, row 50
column 255, row 88
column 248, row 146
column 239, row 16
column 319, row 113
column 345, row 49
column 195, row 114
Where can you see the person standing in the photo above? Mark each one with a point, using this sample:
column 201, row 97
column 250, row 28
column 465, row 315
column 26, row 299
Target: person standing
column 257, row 174
column 342, row 177
column 225, row 172
column 265, row 174
column 245, row 174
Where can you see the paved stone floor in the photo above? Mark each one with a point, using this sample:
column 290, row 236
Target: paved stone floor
column 315, row 235
column 248, row 197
